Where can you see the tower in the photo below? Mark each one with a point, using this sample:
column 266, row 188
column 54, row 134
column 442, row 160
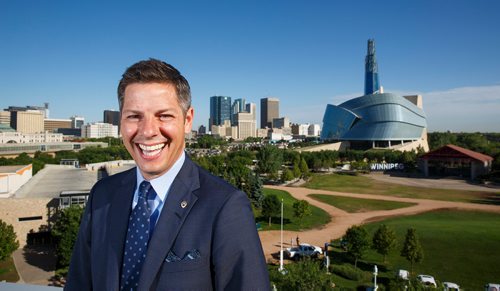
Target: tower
column 269, row 110
column 220, row 110
column 371, row 70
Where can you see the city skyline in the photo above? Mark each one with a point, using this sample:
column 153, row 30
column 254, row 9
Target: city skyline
column 306, row 55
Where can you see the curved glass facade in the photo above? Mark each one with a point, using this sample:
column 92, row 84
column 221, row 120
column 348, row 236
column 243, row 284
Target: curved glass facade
column 375, row 117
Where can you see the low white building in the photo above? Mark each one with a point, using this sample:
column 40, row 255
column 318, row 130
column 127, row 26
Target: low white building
column 99, row 130
column 13, row 177
column 19, row 137
column 314, row 130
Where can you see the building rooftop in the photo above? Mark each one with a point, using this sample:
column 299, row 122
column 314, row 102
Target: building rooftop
column 11, row 169
column 456, row 152
column 54, row 179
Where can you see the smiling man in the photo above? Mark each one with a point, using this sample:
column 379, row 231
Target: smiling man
column 166, row 224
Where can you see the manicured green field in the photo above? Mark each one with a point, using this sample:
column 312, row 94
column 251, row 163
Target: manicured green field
column 366, row 185
column 459, row 246
column 290, row 222
column 356, row 205
column 8, row 271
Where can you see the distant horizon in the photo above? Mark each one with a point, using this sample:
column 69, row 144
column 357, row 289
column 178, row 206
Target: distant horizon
column 72, row 55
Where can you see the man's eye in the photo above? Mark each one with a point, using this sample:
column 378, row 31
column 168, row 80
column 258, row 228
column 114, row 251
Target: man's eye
column 166, row 116
column 133, row 117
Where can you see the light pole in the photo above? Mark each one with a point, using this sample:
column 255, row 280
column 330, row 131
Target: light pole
column 375, row 272
column 281, row 269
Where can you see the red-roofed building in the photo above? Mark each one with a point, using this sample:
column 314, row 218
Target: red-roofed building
column 452, row 160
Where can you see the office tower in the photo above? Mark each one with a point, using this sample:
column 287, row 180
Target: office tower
column 269, row 110
column 282, row 122
column 44, row 109
column 246, row 121
column 77, row 121
column 220, row 110
column 239, row 105
column 112, row 117
column 202, row 130
column 29, row 121
column 371, row 70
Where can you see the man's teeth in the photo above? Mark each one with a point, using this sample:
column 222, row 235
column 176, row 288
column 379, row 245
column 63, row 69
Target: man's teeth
column 151, row 150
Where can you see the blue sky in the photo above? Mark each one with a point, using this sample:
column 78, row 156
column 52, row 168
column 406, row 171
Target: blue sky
column 306, row 53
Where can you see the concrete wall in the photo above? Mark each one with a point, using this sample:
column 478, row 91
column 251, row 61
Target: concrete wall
column 11, row 209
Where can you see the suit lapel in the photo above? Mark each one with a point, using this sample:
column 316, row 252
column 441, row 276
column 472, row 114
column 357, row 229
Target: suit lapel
column 118, row 223
column 178, row 204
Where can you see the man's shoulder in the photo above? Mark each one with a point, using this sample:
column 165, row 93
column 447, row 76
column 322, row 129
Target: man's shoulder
column 127, row 176
column 211, row 184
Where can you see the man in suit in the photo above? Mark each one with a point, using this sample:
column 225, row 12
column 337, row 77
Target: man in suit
column 166, row 224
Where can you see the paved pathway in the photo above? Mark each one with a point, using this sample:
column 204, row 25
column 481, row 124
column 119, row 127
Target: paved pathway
column 342, row 220
column 35, row 265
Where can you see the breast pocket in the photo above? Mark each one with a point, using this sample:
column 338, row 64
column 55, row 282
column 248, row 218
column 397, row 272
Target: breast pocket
column 185, row 275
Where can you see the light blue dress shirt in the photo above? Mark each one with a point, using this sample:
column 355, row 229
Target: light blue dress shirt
column 161, row 185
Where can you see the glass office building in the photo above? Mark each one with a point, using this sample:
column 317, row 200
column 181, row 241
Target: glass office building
column 220, row 110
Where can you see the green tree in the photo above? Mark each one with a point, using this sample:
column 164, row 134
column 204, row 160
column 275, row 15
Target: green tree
column 303, row 275
column 304, row 169
column 271, row 206
column 65, row 231
column 384, row 240
column 287, row 175
column 270, row 159
column 358, row 242
column 412, row 250
column 8, row 240
column 253, row 188
column 301, row 209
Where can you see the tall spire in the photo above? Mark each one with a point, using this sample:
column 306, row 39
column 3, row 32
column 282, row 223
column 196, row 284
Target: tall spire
column 371, row 70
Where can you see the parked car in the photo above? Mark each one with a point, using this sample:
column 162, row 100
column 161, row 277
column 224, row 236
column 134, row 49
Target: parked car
column 449, row 286
column 427, row 280
column 304, row 250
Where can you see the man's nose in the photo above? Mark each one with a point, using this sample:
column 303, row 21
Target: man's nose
column 149, row 127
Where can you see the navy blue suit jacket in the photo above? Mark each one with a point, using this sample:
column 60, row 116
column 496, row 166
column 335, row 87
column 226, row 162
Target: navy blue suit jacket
column 217, row 222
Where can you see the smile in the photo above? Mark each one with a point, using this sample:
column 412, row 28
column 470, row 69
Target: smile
column 151, row 150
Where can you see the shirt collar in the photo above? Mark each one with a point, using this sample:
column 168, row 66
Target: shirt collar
column 162, row 184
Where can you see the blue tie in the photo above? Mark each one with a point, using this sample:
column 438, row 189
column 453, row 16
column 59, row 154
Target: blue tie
column 138, row 235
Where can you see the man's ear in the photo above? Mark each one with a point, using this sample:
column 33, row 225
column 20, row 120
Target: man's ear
column 188, row 120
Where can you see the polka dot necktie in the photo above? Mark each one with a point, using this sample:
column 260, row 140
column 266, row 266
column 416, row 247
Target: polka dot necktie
column 138, row 234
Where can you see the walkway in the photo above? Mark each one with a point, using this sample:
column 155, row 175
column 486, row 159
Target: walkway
column 342, row 220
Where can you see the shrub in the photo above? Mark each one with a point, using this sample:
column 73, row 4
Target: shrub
column 8, row 242
column 351, row 273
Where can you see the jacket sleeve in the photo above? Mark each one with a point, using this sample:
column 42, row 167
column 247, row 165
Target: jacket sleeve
column 237, row 256
column 80, row 275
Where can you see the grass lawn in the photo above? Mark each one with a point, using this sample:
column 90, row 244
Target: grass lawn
column 355, row 205
column 366, row 185
column 8, row 271
column 459, row 246
column 290, row 222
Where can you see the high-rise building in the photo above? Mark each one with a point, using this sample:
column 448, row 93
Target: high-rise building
column 29, row 121
column 77, row 121
column 282, row 122
column 220, row 110
column 99, row 129
column 371, row 70
column 239, row 105
column 112, row 117
column 246, row 121
column 269, row 110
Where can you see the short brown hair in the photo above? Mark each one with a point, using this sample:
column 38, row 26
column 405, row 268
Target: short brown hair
column 156, row 71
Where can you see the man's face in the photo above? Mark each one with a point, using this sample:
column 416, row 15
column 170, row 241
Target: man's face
column 153, row 126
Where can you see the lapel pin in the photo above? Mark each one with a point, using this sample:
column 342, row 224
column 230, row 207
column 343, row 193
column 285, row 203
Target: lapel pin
column 184, row 204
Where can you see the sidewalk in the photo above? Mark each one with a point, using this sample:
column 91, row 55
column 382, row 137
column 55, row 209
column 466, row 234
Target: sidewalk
column 35, row 264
